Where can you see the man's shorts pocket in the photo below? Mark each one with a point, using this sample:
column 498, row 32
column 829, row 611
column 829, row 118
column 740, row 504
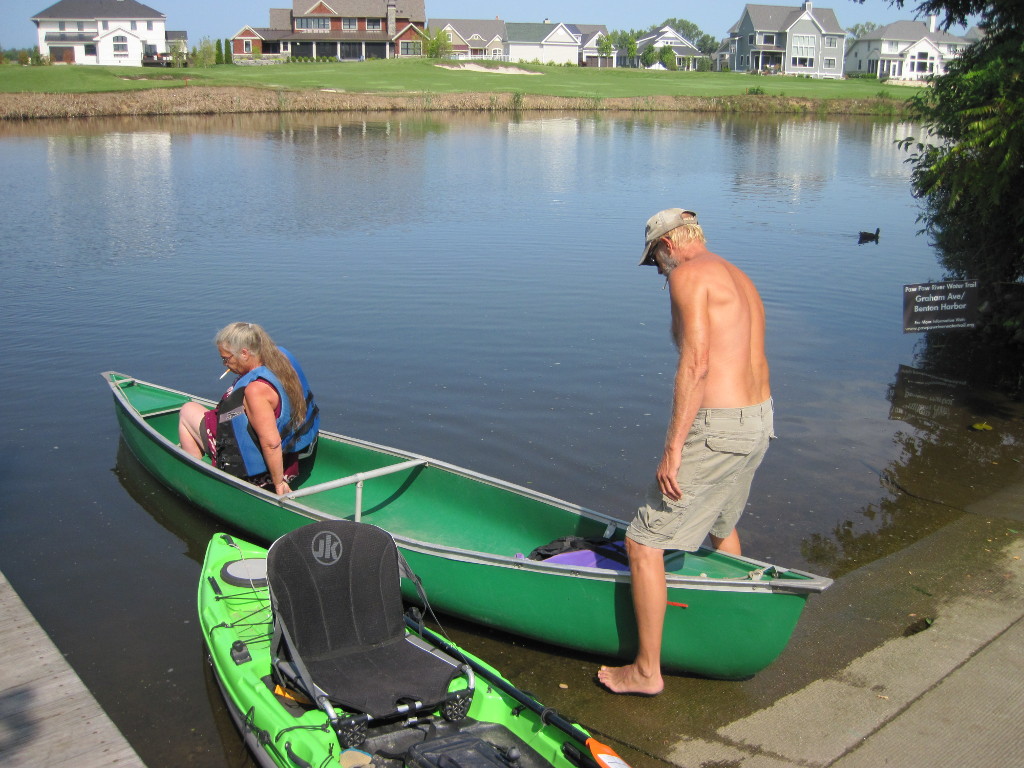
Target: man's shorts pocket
column 738, row 444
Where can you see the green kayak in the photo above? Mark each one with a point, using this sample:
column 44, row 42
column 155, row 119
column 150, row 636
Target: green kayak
column 244, row 609
column 468, row 536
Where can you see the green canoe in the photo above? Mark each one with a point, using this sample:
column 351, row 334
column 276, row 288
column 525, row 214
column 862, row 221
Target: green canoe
column 466, row 534
column 283, row 728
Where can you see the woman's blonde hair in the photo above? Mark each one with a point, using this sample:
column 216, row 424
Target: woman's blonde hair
column 239, row 336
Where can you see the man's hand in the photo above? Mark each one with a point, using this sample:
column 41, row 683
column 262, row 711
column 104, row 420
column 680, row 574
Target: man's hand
column 667, row 471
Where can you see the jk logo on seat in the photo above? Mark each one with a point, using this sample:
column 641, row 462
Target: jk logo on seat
column 326, row 548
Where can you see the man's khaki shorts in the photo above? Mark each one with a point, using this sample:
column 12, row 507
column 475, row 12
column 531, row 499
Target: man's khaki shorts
column 723, row 450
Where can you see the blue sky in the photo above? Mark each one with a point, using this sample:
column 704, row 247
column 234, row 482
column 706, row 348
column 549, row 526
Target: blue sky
column 222, row 18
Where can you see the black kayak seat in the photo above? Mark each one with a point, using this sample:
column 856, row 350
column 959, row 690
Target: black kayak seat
column 339, row 628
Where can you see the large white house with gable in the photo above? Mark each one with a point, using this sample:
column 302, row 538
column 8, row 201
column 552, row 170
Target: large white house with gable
column 905, row 50
column 112, row 32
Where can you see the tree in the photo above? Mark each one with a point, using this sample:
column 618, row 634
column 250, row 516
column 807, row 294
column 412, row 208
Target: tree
column 219, row 54
column 203, row 56
column 439, row 45
column 179, row 54
column 969, row 166
column 605, row 46
column 858, row 31
column 648, row 56
column 228, row 55
column 631, row 47
column 667, row 57
column 625, row 41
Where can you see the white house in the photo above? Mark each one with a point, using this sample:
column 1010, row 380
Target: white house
column 112, row 32
column 547, row 43
column 904, row 50
column 687, row 54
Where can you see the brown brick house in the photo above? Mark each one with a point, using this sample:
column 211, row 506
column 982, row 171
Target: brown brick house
column 346, row 30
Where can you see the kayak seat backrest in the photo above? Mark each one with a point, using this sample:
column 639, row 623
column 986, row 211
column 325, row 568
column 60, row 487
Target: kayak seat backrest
column 339, row 628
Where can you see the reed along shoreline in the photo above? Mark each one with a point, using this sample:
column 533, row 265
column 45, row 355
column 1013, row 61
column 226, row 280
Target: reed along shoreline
column 213, row 100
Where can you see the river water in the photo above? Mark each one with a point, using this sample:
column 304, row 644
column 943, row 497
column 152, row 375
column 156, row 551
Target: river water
column 461, row 287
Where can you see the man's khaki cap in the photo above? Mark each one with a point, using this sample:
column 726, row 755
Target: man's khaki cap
column 659, row 225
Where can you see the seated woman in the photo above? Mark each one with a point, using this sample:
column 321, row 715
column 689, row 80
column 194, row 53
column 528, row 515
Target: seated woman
column 265, row 423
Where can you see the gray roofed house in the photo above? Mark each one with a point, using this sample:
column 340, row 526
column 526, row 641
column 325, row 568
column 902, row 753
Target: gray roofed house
column 111, row 32
column 544, row 42
column 98, row 9
column 590, row 38
column 780, row 39
column 474, row 38
column 687, row 54
column 905, row 50
column 336, row 29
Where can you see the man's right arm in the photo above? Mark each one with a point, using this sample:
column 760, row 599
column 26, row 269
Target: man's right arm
column 693, row 337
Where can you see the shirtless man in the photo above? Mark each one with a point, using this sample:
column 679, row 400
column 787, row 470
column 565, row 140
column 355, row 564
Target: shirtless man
column 717, row 435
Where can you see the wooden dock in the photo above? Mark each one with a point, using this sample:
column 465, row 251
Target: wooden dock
column 47, row 715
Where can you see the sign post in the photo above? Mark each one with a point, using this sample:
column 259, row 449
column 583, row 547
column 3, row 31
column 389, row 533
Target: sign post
column 937, row 306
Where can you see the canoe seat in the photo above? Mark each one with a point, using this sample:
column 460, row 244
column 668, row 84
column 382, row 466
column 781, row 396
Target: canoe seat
column 339, row 630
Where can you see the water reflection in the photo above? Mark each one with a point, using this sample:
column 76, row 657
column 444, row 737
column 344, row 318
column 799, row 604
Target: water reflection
column 119, row 173
column 961, row 442
column 462, row 286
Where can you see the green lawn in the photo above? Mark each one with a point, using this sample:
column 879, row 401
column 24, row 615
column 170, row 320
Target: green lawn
column 423, row 75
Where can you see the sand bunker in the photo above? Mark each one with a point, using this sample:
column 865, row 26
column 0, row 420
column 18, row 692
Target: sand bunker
column 495, row 70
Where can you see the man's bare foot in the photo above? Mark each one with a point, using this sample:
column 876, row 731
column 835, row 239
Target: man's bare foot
column 629, row 679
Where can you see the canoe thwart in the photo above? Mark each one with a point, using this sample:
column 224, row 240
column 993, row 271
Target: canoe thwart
column 357, row 479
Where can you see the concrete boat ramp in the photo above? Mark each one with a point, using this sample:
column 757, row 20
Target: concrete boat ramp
column 48, row 718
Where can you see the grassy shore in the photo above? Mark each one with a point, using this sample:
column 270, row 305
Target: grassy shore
column 422, row 85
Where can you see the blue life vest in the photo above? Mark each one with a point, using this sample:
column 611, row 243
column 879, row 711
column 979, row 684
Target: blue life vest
column 238, row 448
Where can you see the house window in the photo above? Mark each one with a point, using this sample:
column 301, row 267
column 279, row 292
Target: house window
column 350, row 24
column 830, row 63
column 120, row 45
column 750, row 39
column 247, row 46
column 412, row 48
column 90, row 50
column 803, row 61
column 768, row 39
column 373, row 25
column 496, row 53
column 149, row 25
column 803, row 46
column 81, row 26
column 106, row 25
column 312, row 23
column 134, row 26
column 61, row 26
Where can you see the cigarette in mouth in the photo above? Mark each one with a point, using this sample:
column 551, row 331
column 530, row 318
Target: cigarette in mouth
column 226, row 372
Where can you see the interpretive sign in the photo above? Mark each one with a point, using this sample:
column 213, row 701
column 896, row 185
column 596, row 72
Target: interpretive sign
column 934, row 306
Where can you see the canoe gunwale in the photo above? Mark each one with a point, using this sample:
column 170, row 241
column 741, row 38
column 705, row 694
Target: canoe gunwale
column 804, row 583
